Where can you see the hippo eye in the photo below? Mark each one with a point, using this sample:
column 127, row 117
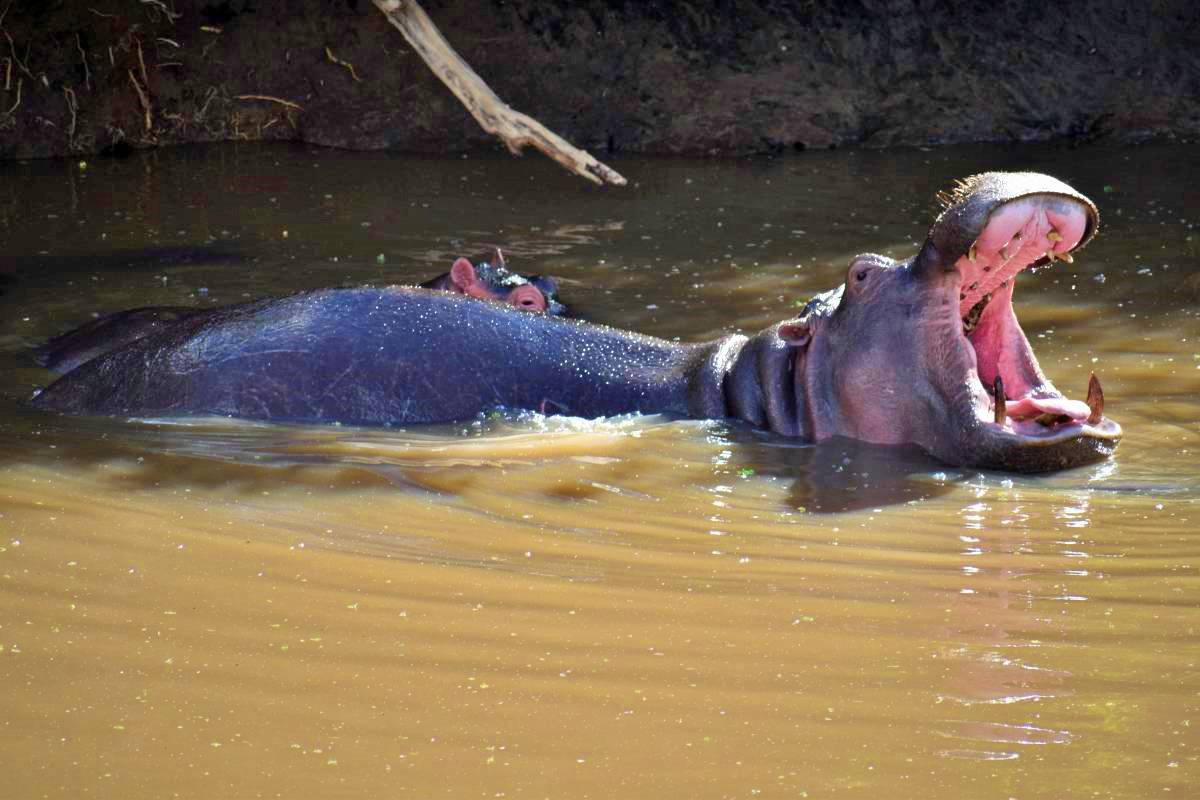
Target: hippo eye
column 861, row 275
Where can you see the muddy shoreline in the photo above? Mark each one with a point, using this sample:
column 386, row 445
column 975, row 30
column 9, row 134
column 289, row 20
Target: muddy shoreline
column 718, row 78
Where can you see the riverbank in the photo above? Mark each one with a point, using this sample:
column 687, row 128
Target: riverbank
column 664, row 78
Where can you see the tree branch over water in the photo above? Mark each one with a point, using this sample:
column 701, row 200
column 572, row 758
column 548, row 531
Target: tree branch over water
column 517, row 130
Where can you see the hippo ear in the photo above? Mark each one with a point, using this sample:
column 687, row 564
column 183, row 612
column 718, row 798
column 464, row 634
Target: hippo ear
column 794, row 332
column 463, row 276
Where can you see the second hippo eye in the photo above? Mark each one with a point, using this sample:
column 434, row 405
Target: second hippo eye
column 861, row 275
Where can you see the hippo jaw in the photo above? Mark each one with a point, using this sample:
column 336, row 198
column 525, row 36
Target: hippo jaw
column 930, row 351
column 1021, row 421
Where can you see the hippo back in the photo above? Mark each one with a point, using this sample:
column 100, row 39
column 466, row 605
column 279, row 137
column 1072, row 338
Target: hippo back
column 376, row 356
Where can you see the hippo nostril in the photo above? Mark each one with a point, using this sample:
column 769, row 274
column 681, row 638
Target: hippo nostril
column 527, row 298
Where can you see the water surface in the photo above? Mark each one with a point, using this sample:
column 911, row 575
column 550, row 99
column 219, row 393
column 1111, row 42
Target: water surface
column 545, row 607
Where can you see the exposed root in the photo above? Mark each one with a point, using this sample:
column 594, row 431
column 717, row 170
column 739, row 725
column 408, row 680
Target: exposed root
column 12, row 46
column 204, row 50
column 198, row 117
column 7, row 120
column 73, row 107
column 16, row 105
column 335, row 60
column 142, row 64
column 7, row 74
column 116, row 134
column 87, row 73
column 159, row 6
column 144, row 98
column 270, row 99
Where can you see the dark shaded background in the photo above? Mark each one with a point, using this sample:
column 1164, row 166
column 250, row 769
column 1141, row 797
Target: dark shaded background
column 659, row 77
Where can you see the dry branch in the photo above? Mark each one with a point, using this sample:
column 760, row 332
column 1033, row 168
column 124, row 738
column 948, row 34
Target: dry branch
column 517, row 130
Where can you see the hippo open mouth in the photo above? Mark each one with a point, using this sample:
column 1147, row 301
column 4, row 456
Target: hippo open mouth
column 1017, row 408
column 929, row 351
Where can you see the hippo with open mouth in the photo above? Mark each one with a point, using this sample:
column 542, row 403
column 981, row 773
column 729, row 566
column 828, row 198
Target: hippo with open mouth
column 926, row 351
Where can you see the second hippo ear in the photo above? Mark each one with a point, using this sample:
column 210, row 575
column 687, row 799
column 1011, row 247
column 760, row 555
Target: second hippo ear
column 463, row 276
column 795, row 332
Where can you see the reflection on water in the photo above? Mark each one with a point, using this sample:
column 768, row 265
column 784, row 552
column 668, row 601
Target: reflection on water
column 543, row 606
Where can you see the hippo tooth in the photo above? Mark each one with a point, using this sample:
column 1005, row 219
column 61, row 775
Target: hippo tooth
column 1067, row 257
column 1000, row 400
column 1050, row 255
column 1095, row 400
column 1004, row 253
column 971, row 320
column 1054, row 235
column 972, row 254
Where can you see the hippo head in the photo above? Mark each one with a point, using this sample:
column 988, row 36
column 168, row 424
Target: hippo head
column 929, row 350
column 492, row 280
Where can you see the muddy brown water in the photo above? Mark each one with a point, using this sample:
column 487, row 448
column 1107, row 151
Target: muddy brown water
column 546, row 607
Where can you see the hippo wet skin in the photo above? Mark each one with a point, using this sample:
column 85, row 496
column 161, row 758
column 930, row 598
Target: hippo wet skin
column 926, row 351
column 487, row 281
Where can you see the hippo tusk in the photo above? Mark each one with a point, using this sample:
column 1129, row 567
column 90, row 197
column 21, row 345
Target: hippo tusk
column 1095, row 400
column 1000, row 400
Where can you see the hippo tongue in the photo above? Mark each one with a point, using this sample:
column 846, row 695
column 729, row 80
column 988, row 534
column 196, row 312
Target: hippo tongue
column 1031, row 407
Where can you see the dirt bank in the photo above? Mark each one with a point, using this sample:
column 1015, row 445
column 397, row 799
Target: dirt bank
column 666, row 77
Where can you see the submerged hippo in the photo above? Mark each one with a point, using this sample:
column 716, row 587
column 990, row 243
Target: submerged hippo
column 925, row 351
column 488, row 281
column 492, row 280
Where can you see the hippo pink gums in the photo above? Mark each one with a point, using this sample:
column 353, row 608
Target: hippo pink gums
column 926, row 351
